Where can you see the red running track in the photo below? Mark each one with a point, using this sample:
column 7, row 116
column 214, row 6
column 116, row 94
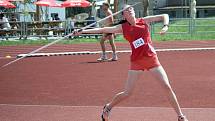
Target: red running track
column 74, row 88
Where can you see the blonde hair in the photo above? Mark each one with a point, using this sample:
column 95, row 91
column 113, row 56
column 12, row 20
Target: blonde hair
column 106, row 4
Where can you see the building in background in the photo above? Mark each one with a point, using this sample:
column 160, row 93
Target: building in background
column 181, row 8
column 175, row 8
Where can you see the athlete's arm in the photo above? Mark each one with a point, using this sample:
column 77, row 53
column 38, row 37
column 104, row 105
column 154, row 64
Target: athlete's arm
column 110, row 20
column 113, row 29
column 155, row 18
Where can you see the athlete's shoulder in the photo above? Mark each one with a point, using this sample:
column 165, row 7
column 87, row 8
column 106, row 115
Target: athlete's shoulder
column 109, row 12
column 140, row 20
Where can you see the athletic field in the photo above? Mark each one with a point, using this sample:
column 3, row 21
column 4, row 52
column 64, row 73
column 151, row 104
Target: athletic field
column 66, row 83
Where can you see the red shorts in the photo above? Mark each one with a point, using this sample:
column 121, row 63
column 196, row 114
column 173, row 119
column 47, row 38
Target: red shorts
column 145, row 63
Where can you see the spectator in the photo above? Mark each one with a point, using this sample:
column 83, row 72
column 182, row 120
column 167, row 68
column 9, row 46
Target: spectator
column 70, row 24
column 91, row 19
column 13, row 21
column 57, row 25
column 4, row 24
column 93, row 9
column 55, row 17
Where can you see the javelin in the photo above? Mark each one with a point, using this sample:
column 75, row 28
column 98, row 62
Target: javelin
column 83, row 28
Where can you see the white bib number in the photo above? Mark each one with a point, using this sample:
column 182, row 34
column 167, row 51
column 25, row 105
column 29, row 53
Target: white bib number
column 137, row 43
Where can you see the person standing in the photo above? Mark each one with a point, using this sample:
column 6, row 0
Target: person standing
column 107, row 36
column 4, row 23
column 71, row 23
column 143, row 56
column 93, row 9
column 57, row 24
column 13, row 20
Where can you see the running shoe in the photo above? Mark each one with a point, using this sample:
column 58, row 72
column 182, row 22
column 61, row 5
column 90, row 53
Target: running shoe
column 103, row 58
column 105, row 113
column 182, row 118
column 114, row 58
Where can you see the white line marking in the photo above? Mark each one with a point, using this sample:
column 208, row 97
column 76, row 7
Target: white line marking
column 121, row 51
column 187, row 49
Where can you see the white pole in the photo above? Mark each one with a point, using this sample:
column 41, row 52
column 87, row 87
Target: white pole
column 193, row 9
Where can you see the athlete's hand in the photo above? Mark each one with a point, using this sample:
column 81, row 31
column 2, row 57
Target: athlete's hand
column 164, row 30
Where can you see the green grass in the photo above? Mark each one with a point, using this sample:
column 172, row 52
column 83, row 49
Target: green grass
column 24, row 42
column 179, row 29
column 172, row 37
column 44, row 41
column 203, row 29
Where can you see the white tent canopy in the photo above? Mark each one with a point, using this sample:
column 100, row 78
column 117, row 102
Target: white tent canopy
column 100, row 2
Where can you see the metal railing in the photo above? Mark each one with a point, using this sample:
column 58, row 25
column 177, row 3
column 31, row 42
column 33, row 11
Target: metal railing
column 187, row 26
column 24, row 30
column 61, row 28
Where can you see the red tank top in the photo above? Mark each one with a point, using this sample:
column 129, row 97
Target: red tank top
column 139, row 38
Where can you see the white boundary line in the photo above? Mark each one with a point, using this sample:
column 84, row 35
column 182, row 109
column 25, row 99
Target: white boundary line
column 186, row 49
column 67, row 106
column 97, row 52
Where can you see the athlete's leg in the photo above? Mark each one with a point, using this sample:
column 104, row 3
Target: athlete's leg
column 103, row 54
column 113, row 46
column 111, row 40
column 129, row 86
column 161, row 75
column 102, row 43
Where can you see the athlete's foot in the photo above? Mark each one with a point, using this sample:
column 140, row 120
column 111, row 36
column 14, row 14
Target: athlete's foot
column 105, row 113
column 182, row 118
column 114, row 58
column 103, row 58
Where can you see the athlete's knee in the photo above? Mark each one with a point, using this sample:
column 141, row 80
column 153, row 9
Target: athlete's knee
column 102, row 41
column 111, row 43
